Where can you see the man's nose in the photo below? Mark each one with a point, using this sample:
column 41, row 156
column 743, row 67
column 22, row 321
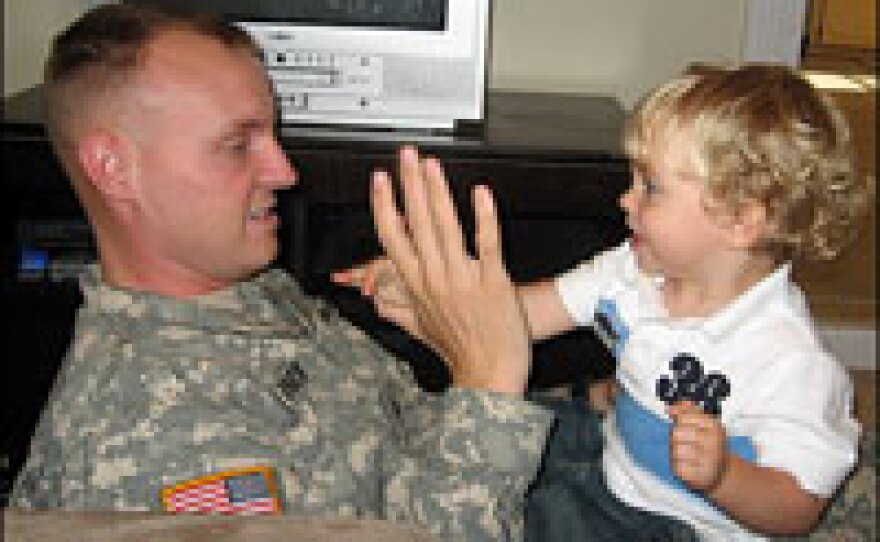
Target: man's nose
column 277, row 169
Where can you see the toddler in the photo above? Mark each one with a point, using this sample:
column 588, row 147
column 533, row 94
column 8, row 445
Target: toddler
column 730, row 419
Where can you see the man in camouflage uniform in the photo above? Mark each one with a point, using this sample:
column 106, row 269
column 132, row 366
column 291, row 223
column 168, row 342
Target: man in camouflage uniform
column 188, row 360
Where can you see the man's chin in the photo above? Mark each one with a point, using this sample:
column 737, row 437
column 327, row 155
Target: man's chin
column 244, row 269
column 266, row 258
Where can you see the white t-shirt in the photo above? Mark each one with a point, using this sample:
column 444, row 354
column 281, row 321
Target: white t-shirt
column 788, row 403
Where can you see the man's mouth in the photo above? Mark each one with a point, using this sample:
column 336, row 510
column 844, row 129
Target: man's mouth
column 262, row 214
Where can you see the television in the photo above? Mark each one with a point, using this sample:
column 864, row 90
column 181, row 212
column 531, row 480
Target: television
column 387, row 64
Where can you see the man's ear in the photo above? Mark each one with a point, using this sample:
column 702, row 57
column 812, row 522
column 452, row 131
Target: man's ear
column 106, row 160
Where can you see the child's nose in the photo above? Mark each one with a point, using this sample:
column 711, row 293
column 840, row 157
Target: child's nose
column 627, row 200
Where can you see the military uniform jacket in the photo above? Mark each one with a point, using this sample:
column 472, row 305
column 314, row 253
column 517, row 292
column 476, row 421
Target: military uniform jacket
column 156, row 391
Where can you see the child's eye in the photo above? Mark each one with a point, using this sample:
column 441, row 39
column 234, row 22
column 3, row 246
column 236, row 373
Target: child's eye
column 651, row 187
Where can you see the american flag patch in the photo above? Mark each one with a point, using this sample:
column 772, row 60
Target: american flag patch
column 247, row 491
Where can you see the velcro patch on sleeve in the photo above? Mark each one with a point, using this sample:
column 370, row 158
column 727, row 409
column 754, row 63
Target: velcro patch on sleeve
column 244, row 491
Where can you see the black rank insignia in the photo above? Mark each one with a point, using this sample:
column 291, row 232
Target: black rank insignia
column 290, row 384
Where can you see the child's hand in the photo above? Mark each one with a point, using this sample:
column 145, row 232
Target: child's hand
column 697, row 446
column 380, row 281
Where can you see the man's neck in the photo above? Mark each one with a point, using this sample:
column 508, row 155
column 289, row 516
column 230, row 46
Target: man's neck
column 159, row 283
column 139, row 272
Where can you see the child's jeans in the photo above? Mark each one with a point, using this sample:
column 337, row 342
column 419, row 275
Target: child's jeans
column 569, row 500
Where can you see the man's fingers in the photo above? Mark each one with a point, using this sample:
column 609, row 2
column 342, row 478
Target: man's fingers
column 416, row 207
column 444, row 215
column 390, row 228
column 401, row 316
column 488, row 231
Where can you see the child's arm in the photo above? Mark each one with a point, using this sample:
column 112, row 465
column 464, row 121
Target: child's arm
column 763, row 499
column 545, row 313
column 378, row 280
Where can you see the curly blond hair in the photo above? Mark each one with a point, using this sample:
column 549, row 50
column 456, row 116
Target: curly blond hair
column 761, row 133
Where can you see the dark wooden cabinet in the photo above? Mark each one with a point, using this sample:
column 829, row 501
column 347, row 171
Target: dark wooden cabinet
column 553, row 161
column 555, row 165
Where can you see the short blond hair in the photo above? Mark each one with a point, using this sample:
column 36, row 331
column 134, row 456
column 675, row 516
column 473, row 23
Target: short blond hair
column 98, row 56
column 761, row 133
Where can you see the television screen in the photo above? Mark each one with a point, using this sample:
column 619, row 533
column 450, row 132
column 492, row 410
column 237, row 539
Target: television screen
column 373, row 63
column 403, row 14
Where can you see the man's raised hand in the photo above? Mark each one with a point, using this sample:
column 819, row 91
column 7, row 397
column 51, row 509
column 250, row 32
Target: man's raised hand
column 466, row 308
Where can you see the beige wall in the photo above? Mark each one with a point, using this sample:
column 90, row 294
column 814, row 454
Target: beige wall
column 618, row 47
column 28, row 26
column 621, row 47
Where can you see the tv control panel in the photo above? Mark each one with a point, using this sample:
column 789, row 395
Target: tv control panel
column 324, row 81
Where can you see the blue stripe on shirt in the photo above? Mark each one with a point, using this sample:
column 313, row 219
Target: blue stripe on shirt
column 646, row 439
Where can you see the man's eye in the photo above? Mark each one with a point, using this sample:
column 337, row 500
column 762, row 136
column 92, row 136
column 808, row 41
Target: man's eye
column 238, row 146
column 650, row 187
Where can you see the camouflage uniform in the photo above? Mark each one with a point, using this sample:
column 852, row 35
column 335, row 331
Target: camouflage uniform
column 156, row 391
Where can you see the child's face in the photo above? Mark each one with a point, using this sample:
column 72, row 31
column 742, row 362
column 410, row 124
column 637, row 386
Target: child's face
column 672, row 233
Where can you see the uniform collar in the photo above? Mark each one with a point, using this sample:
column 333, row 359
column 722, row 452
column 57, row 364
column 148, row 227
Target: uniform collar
column 248, row 305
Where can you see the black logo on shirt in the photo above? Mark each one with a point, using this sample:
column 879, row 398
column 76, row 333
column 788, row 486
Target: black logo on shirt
column 689, row 383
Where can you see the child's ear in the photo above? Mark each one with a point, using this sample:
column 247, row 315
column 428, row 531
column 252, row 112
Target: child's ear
column 749, row 225
column 106, row 160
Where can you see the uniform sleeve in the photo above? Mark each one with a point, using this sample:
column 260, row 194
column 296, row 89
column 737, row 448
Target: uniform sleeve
column 806, row 426
column 71, row 477
column 458, row 462
column 77, row 459
column 580, row 287
column 38, row 483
